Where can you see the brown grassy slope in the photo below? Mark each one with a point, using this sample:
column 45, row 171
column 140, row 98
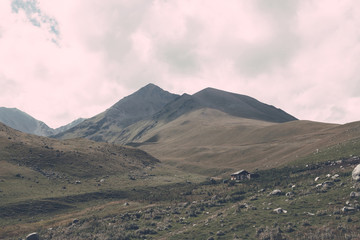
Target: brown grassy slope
column 208, row 138
column 76, row 157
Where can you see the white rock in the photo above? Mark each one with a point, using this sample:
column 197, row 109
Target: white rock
column 317, row 178
column 355, row 194
column 356, row 173
column 335, row 176
column 279, row 210
column 276, row 192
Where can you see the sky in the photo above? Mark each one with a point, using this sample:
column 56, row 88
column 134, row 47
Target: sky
column 61, row 60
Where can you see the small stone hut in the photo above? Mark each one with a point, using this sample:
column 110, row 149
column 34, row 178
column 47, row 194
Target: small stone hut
column 243, row 175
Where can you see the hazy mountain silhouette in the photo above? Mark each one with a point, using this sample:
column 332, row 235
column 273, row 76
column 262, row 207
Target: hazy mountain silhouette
column 23, row 122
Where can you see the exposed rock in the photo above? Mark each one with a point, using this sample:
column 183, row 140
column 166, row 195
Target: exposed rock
column 317, row 178
column 335, row 176
column 355, row 194
column 348, row 209
column 356, row 173
column 279, row 210
column 276, row 192
column 33, row 236
column 290, row 194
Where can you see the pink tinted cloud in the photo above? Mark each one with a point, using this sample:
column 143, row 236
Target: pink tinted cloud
column 300, row 56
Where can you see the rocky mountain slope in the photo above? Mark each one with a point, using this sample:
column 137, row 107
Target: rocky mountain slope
column 134, row 115
column 131, row 109
column 22, row 121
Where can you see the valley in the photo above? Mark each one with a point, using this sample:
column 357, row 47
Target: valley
column 157, row 165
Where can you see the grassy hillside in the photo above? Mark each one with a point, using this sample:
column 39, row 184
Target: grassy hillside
column 314, row 202
column 209, row 139
column 96, row 190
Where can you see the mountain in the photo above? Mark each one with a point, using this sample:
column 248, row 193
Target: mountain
column 132, row 116
column 231, row 103
column 67, row 126
column 23, row 122
column 140, row 105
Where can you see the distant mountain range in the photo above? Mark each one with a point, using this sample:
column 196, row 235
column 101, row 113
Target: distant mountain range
column 22, row 121
column 209, row 132
column 133, row 115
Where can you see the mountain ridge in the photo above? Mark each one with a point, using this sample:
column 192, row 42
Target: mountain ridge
column 24, row 122
column 153, row 105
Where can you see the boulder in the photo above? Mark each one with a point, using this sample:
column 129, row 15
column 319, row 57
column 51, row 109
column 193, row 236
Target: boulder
column 356, row 173
column 355, row 194
column 290, row 194
column 279, row 210
column 276, row 192
column 348, row 209
column 33, row 236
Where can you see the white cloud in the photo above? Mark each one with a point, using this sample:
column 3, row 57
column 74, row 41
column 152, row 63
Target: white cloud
column 298, row 55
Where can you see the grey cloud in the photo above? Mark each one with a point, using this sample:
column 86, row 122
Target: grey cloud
column 259, row 58
column 181, row 54
column 7, row 85
column 121, row 19
column 278, row 51
column 280, row 10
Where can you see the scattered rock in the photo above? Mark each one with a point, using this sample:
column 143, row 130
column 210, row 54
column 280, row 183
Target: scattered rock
column 279, row 210
column 356, row 173
column 316, row 179
column 355, row 194
column 33, row 236
column 348, row 209
column 290, row 194
column 276, row 192
column 335, row 176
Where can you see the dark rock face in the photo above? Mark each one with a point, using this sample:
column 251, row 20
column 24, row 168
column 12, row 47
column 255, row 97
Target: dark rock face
column 241, row 106
column 140, row 105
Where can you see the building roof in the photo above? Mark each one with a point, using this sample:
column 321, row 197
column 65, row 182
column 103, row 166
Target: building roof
column 242, row 171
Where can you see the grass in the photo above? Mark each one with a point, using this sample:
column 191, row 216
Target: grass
column 223, row 211
column 175, row 200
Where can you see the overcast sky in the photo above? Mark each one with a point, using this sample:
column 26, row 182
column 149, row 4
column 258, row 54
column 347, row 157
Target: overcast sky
column 60, row 60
